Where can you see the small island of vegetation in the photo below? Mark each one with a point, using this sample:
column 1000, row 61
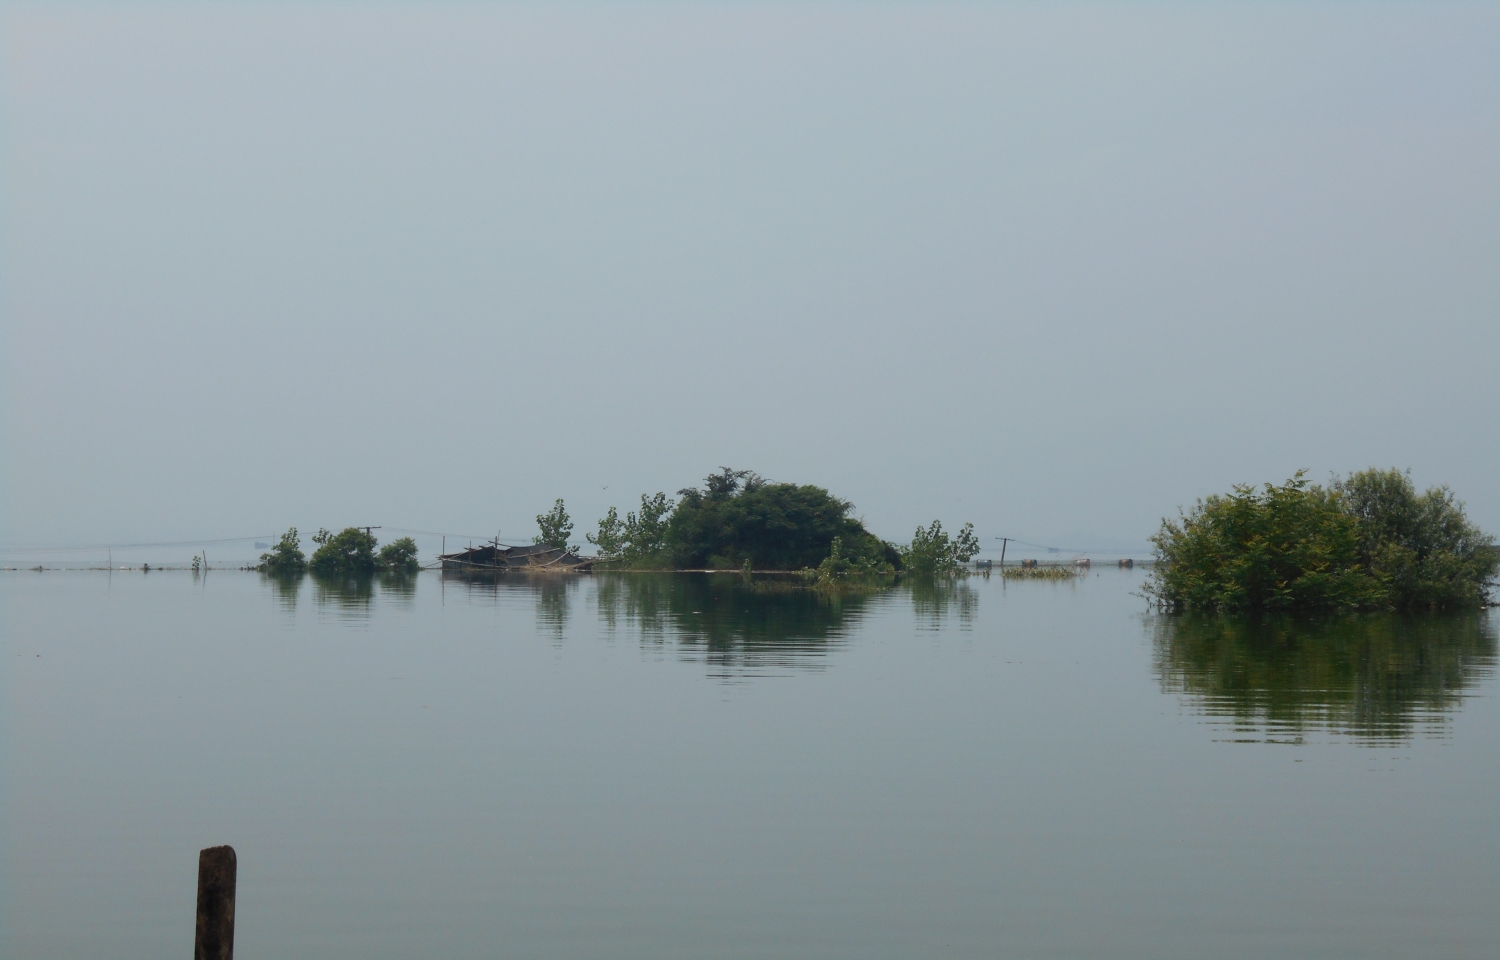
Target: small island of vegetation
column 739, row 520
column 350, row 552
column 1368, row 542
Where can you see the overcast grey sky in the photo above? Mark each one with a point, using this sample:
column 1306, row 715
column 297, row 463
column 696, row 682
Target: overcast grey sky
column 1056, row 269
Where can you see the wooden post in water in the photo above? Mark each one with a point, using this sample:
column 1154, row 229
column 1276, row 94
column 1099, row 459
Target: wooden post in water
column 217, row 867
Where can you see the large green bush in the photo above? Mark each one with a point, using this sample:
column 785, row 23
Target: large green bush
column 740, row 518
column 351, row 551
column 1368, row 542
column 399, row 556
column 1421, row 546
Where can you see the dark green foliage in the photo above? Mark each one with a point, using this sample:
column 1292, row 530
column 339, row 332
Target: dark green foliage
column 350, row 552
column 286, row 557
column 1368, row 542
column 775, row 526
column 933, row 553
column 641, row 538
column 1421, row 546
column 936, row 600
column 399, row 556
column 1283, row 548
column 556, row 526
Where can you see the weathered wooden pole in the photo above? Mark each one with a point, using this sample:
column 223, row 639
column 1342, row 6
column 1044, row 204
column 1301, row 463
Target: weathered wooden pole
column 216, row 872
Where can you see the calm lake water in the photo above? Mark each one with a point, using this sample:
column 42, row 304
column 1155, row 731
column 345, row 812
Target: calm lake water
column 663, row 767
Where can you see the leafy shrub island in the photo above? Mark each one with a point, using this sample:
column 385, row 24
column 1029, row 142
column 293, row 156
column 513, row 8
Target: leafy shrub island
column 740, row 517
column 1366, row 543
column 286, row 558
column 351, row 552
column 399, row 556
column 1039, row 573
column 740, row 520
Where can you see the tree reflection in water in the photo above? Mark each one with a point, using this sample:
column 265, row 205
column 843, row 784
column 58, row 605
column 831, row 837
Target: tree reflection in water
column 935, row 601
column 1378, row 678
column 348, row 596
column 351, row 597
column 553, row 601
column 284, row 588
column 736, row 625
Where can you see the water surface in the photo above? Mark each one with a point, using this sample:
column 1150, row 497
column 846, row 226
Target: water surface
column 693, row 766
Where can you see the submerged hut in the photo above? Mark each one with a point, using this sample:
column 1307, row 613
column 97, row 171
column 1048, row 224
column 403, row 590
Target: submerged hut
column 494, row 557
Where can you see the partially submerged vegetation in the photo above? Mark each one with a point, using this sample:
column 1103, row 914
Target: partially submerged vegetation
column 842, row 571
column 741, row 521
column 933, row 553
column 350, row 552
column 1038, row 572
column 1369, row 542
column 737, row 521
column 286, row 558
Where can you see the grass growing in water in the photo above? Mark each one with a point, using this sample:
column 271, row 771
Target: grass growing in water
column 1038, row 573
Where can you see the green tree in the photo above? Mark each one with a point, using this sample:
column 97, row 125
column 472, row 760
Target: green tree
column 1420, row 546
column 286, row 557
column 610, row 539
column 741, row 517
column 351, row 551
column 1282, row 548
column 933, row 553
column 556, row 526
column 399, row 556
column 646, row 531
column 640, row 538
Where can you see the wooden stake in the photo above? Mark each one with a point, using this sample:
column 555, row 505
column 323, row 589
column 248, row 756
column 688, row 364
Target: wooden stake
column 217, row 867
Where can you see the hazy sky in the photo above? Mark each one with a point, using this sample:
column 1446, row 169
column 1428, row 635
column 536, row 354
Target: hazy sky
column 1056, row 269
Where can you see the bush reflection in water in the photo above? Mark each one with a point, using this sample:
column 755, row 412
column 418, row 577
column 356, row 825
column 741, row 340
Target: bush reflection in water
column 1379, row 678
